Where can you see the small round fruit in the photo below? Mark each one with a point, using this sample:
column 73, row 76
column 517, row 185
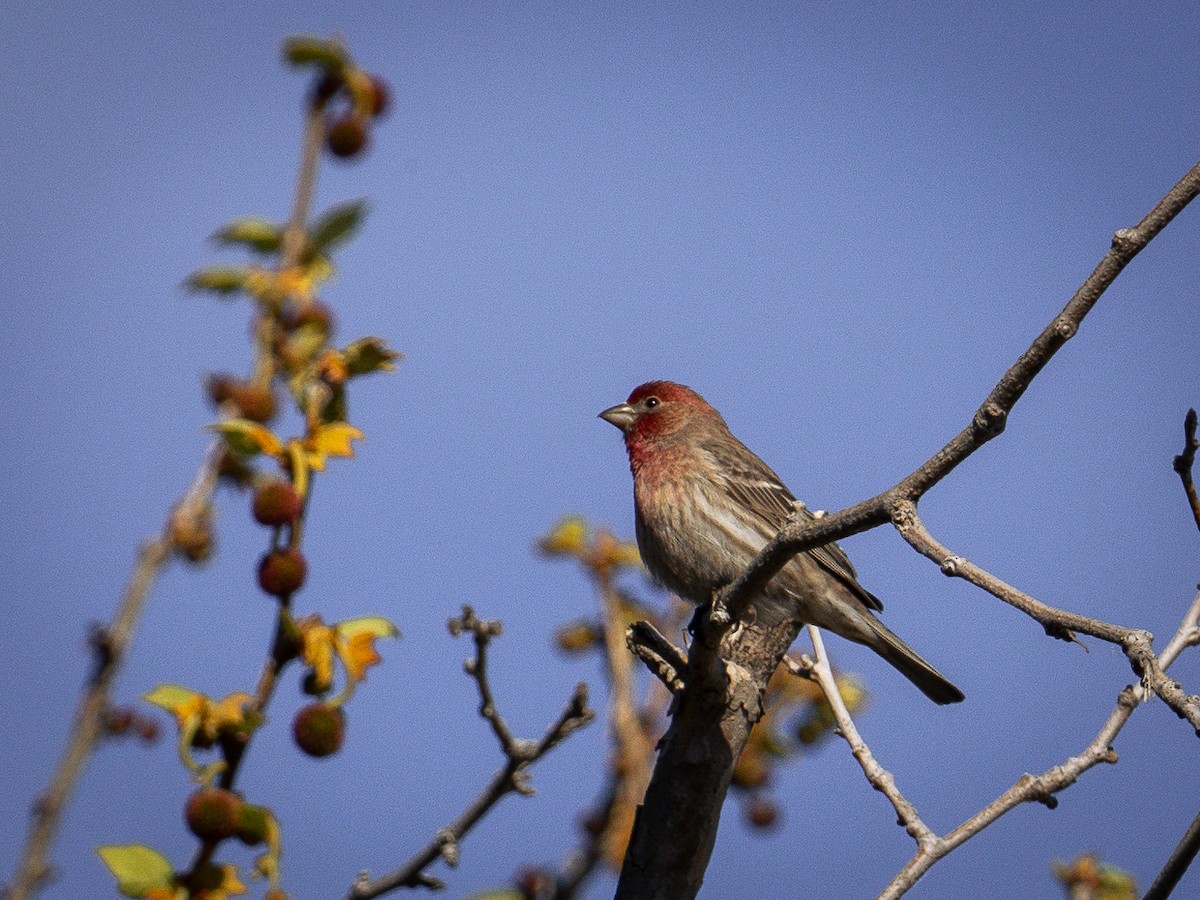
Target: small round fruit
column 212, row 813
column 282, row 572
column 257, row 403
column 276, row 503
column 381, row 96
column 347, row 136
column 319, row 729
column 762, row 813
column 251, row 825
column 220, row 387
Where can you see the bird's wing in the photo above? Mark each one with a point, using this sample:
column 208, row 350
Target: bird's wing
column 754, row 486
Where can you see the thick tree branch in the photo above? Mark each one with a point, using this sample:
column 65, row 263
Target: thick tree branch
column 727, row 673
column 512, row 777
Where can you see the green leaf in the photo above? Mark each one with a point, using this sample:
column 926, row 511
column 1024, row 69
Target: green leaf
column 248, row 438
column 137, row 868
column 257, row 234
column 170, row 696
column 370, row 354
column 217, row 279
column 336, row 224
column 308, row 50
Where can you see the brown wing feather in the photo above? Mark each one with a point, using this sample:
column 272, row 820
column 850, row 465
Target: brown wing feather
column 755, row 487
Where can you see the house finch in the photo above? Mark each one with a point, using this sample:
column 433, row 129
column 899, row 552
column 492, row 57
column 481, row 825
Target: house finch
column 705, row 506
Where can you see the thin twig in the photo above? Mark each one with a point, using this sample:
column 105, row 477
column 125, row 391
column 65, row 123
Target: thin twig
column 1135, row 642
column 879, row 777
column 1184, row 461
column 110, row 644
column 1042, row 788
column 512, row 777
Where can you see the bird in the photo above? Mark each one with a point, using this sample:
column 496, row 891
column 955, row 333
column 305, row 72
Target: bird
column 705, row 505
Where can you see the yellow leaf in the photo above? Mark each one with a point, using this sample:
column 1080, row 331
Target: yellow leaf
column 565, row 538
column 335, row 439
column 330, row 439
column 183, row 704
column 356, row 645
column 248, row 438
column 318, row 647
column 230, row 711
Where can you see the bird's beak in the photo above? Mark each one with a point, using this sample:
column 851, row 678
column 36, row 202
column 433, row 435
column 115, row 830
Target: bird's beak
column 622, row 415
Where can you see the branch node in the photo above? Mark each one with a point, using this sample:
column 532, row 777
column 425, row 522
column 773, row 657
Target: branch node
column 1124, row 240
column 990, row 419
column 665, row 661
column 449, row 847
column 1065, row 328
column 950, row 566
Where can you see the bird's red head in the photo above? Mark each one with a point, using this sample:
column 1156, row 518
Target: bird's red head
column 657, row 411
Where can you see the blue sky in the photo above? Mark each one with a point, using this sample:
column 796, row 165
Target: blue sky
column 840, row 224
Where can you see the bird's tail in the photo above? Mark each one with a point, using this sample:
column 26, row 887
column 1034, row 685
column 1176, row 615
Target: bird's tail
column 932, row 683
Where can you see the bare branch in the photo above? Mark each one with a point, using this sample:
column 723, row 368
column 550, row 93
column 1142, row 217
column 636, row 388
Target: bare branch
column 727, row 673
column 988, row 421
column 1184, row 461
column 879, row 777
column 1042, row 788
column 512, row 777
column 665, row 661
column 110, row 644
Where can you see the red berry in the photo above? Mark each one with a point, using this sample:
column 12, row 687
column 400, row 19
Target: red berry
column 212, row 813
column 381, row 96
column 282, row 572
column 347, row 136
column 319, row 729
column 762, row 813
column 276, row 503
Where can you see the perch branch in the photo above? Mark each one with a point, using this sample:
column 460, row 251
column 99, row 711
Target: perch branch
column 714, row 713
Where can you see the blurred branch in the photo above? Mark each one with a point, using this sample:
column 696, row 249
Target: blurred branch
column 512, row 777
column 727, row 674
column 110, row 644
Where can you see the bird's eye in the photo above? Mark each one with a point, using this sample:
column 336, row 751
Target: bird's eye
column 651, row 402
